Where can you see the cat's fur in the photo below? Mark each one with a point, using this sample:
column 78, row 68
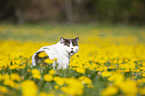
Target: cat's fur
column 62, row 50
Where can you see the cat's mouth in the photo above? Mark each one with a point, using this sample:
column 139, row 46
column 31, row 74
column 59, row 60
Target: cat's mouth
column 71, row 53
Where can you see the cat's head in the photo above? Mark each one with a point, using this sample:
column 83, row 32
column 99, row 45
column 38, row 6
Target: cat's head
column 70, row 45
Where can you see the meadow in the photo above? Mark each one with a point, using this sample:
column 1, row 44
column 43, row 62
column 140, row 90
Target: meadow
column 110, row 61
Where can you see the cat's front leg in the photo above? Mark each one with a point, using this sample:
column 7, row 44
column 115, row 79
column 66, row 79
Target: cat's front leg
column 61, row 67
column 63, row 64
column 54, row 64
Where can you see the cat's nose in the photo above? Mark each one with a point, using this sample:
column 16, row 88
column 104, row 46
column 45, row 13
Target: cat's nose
column 72, row 48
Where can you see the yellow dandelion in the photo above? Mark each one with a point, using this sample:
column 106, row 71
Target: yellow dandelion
column 15, row 76
column 109, row 91
column 52, row 72
column 42, row 54
column 6, row 77
column 1, row 77
column 29, row 88
column 11, row 83
column 142, row 91
column 129, row 87
column 106, row 74
column 3, row 89
column 85, row 80
column 59, row 81
column 55, row 59
column 35, row 71
column 80, row 70
column 43, row 94
column 56, row 87
column 36, row 76
column 48, row 61
column 90, row 86
column 48, row 77
column 28, row 70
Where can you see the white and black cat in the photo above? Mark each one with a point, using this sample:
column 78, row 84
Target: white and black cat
column 62, row 50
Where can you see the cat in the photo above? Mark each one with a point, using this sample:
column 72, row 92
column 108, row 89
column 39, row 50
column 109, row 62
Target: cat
column 62, row 50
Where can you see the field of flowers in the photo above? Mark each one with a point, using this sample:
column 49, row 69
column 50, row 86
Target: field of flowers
column 110, row 61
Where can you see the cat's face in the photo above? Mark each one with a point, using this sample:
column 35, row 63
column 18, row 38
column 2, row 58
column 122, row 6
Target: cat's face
column 70, row 45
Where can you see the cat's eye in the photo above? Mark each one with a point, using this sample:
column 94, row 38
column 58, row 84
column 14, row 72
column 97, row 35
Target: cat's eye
column 74, row 45
column 67, row 45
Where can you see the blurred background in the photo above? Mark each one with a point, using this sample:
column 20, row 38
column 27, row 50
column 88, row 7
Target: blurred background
column 73, row 11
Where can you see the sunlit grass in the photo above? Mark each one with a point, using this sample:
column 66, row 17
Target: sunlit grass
column 110, row 61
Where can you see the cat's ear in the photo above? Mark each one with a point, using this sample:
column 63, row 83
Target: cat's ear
column 77, row 39
column 62, row 39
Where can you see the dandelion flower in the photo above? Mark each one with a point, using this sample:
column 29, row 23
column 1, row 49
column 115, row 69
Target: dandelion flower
column 48, row 77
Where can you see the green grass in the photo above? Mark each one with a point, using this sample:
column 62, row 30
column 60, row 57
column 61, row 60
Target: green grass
column 52, row 33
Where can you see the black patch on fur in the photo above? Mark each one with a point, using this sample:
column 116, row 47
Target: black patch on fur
column 74, row 42
column 46, row 48
column 67, row 41
column 37, row 58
